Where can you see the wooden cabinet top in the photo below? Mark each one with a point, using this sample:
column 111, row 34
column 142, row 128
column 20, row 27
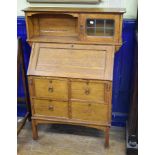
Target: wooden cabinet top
column 77, row 10
column 74, row 25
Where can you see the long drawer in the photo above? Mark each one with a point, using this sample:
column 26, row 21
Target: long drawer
column 91, row 112
column 71, row 89
column 50, row 108
column 52, row 88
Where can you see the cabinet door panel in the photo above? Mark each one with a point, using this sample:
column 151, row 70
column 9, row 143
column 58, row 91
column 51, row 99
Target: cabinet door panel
column 101, row 28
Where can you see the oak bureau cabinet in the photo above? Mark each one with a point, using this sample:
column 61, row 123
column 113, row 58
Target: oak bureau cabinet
column 70, row 71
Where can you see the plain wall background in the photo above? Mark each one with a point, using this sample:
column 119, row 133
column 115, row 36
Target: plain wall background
column 130, row 5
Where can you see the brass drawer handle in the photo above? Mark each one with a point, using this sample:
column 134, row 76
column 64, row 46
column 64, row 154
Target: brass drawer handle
column 89, row 104
column 51, row 108
column 87, row 91
column 50, row 81
column 50, row 89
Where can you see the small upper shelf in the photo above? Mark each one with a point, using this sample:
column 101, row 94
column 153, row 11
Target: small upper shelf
column 74, row 25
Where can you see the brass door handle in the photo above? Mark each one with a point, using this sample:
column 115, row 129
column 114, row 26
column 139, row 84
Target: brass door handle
column 50, row 89
column 89, row 104
column 51, row 108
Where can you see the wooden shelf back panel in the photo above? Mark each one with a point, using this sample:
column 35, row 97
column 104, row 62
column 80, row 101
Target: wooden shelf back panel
column 53, row 25
column 58, row 25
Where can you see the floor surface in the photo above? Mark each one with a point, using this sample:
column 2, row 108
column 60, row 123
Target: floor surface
column 69, row 140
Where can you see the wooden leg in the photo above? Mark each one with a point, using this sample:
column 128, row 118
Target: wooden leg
column 34, row 130
column 107, row 137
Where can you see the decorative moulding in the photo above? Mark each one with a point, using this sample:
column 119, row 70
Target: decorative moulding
column 64, row 1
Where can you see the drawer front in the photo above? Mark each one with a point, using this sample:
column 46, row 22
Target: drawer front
column 91, row 112
column 53, row 88
column 83, row 90
column 50, row 108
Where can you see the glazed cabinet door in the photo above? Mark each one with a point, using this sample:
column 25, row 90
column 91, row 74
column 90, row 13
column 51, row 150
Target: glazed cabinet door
column 100, row 28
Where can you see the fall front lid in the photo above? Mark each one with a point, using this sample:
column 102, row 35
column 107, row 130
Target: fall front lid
column 72, row 61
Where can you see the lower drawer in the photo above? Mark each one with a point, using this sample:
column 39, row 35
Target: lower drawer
column 50, row 108
column 91, row 112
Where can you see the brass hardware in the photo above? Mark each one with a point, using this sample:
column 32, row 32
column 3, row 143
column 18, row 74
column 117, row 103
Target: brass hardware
column 50, row 89
column 51, row 108
column 89, row 104
column 72, row 46
column 87, row 91
column 87, row 82
column 50, row 81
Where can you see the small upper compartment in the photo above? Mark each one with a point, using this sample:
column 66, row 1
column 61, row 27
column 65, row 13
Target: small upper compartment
column 57, row 25
column 48, row 27
column 74, row 25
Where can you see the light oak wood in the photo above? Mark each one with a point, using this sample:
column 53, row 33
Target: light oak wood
column 34, row 130
column 92, row 109
column 70, row 71
column 57, row 120
column 67, row 40
column 86, row 90
column 75, row 9
column 92, row 112
column 53, row 88
column 51, row 25
column 69, row 25
column 73, row 62
column 106, row 137
column 50, row 108
column 65, row 1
